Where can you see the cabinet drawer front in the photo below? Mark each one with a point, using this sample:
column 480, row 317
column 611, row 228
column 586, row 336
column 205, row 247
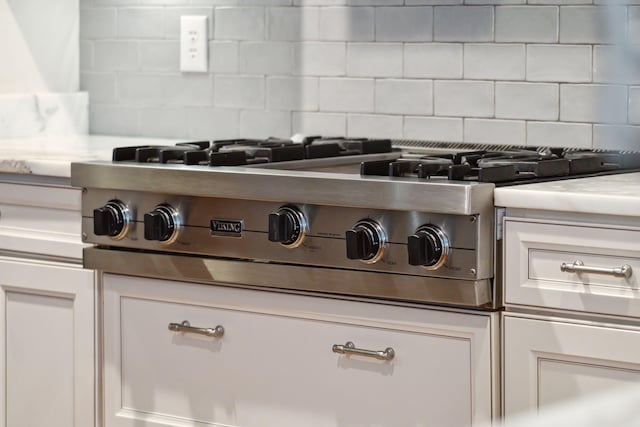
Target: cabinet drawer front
column 279, row 369
column 39, row 219
column 535, row 253
column 561, row 361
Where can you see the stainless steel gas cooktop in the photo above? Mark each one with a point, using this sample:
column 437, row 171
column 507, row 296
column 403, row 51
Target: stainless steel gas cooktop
column 361, row 217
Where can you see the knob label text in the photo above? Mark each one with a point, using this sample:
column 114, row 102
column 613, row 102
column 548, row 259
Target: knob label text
column 227, row 227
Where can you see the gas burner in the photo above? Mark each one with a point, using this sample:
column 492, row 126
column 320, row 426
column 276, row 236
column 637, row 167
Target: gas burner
column 506, row 167
column 237, row 152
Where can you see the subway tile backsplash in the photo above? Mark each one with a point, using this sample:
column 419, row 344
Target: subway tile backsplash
column 511, row 72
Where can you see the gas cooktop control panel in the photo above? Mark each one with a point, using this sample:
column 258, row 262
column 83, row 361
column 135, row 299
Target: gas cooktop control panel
column 408, row 242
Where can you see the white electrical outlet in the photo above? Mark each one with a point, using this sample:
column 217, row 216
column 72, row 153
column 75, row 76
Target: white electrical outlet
column 193, row 44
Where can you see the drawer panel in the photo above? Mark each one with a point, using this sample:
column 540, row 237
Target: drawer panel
column 535, row 252
column 41, row 220
column 277, row 367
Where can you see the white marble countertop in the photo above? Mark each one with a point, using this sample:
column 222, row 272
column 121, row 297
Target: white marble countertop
column 609, row 195
column 53, row 155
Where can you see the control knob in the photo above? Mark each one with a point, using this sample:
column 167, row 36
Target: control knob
column 366, row 241
column 162, row 224
column 428, row 247
column 288, row 226
column 111, row 220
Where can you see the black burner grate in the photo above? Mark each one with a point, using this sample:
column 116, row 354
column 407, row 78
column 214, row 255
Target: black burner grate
column 508, row 166
column 236, row 152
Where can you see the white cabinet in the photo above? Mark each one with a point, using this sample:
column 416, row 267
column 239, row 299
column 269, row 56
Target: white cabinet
column 568, row 331
column 548, row 361
column 46, row 344
column 47, row 310
column 274, row 365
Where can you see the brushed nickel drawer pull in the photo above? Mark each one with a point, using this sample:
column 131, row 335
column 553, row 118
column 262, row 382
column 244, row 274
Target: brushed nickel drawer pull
column 579, row 267
column 350, row 348
column 185, row 326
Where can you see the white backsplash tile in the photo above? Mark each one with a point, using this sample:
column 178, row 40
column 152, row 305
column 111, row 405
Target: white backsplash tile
column 463, row 23
column 292, row 93
column 593, row 103
column 166, row 122
column 493, row 61
column 347, row 23
column 395, row 96
column 530, row 24
column 320, row 58
column 239, row 92
column 293, row 23
column 319, row 123
column 159, row 55
column 463, row 98
column 347, row 95
column 533, row 101
column 359, row 125
column 116, row 55
column 540, row 72
column 506, row 132
column 239, row 23
column 107, row 119
column 263, row 124
column 224, row 57
column 616, row 137
column 409, row 24
column 592, row 24
column 447, row 129
column 433, row 60
column 137, row 22
column 212, row 123
column 269, row 58
column 616, row 64
column 557, row 134
column 97, row 23
column 559, row 63
column 374, row 59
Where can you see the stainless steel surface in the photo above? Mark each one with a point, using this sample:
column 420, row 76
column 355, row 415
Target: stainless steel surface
column 350, row 348
column 185, row 326
column 458, row 292
column 319, row 188
column 324, row 245
column 579, row 267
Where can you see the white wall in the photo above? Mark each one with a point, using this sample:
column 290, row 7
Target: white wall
column 39, row 46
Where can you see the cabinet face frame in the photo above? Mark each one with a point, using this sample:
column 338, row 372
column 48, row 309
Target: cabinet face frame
column 57, row 280
column 480, row 330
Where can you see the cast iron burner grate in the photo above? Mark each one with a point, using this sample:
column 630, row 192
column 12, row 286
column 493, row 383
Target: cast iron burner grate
column 506, row 167
column 237, row 152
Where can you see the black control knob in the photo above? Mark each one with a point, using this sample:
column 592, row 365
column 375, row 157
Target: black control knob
column 162, row 224
column 365, row 241
column 111, row 220
column 287, row 226
column 428, row 247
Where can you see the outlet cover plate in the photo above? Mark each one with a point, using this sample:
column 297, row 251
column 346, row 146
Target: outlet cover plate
column 193, row 44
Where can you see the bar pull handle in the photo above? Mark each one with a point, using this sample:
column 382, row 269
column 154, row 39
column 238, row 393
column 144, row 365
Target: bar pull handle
column 185, row 326
column 350, row 348
column 579, row 267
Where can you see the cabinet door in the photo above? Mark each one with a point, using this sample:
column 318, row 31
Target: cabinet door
column 46, row 344
column 548, row 361
column 274, row 365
